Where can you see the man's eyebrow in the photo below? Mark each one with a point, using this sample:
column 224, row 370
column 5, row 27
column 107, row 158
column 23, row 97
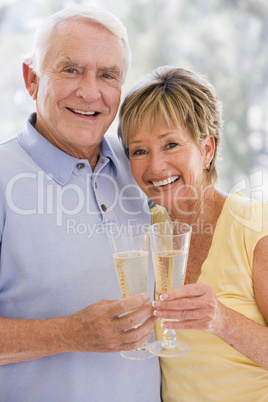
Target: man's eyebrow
column 68, row 61
column 111, row 69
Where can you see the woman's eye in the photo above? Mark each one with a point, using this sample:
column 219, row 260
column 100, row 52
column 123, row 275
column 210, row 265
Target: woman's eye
column 138, row 152
column 171, row 145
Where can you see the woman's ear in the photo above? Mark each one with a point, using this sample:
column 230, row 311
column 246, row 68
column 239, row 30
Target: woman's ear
column 209, row 148
column 30, row 80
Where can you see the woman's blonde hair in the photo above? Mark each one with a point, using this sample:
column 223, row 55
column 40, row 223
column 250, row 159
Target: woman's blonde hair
column 175, row 97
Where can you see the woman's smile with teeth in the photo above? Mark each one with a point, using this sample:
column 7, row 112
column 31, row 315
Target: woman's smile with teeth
column 169, row 180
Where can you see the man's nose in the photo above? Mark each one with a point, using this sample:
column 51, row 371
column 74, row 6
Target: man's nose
column 88, row 88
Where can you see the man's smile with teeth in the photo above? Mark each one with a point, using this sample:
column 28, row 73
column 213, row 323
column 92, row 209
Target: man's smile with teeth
column 166, row 181
column 82, row 112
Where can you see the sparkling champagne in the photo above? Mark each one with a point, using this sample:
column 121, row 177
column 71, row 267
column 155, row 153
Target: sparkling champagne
column 170, row 268
column 132, row 272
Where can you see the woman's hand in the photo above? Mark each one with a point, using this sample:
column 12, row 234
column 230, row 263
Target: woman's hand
column 195, row 306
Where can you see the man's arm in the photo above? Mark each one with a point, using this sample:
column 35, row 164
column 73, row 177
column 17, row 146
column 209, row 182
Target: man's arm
column 101, row 327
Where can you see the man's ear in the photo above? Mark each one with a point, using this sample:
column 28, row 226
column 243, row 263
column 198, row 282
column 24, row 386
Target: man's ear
column 30, row 80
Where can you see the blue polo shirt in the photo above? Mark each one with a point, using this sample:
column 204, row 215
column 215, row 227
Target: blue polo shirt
column 55, row 259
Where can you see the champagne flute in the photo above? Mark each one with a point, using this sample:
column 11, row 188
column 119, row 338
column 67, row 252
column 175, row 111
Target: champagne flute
column 170, row 243
column 130, row 255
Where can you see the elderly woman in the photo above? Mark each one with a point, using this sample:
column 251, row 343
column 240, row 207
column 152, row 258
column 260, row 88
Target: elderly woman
column 170, row 125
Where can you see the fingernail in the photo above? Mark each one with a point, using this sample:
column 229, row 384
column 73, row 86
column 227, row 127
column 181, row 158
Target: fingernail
column 158, row 313
column 146, row 297
column 164, row 296
column 156, row 303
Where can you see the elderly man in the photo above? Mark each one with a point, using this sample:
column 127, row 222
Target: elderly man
column 62, row 185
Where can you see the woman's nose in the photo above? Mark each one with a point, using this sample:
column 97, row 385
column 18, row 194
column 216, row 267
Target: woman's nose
column 157, row 163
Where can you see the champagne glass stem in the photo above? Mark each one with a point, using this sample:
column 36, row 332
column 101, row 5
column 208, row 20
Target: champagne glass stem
column 169, row 339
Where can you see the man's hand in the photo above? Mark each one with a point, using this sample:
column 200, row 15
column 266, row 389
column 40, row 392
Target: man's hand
column 106, row 326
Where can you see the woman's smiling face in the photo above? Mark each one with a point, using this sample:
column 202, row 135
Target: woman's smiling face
column 169, row 166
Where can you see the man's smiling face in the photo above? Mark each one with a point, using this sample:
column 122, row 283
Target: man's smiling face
column 78, row 92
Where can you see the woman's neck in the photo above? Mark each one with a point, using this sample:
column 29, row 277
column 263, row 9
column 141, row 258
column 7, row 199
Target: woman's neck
column 203, row 210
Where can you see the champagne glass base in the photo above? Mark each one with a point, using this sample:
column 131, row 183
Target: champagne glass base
column 142, row 353
column 181, row 348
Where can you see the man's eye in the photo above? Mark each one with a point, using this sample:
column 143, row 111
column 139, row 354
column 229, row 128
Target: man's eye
column 70, row 70
column 108, row 76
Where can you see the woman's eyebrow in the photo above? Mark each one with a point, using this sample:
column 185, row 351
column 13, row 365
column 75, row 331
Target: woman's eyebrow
column 163, row 135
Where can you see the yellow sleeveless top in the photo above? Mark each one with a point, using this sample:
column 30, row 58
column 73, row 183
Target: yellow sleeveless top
column 212, row 370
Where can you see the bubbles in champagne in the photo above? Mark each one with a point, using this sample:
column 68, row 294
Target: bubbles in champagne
column 170, row 268
column 132, row 272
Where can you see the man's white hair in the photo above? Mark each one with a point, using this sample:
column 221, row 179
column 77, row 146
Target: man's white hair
column 43, row 35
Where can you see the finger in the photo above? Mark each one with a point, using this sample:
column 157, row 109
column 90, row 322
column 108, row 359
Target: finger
column 184, row 315
column 122, row 306
column 189, row 303
column 137, row 337
column 193, row 290
column 200, row 324
column 135, row 345
column 135, row 318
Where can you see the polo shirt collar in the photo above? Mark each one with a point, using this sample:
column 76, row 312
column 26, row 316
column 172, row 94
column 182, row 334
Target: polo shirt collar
column 51, row 159
column 106, row 152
